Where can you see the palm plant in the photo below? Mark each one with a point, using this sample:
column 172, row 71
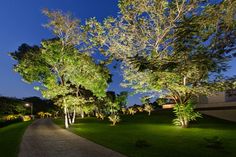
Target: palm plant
column 131, row 110
column 47, row 114
column 101, row 115
column 140, row 109
column 185, row 114
column 148, row 108
column 114, row 119
column 123, row 110
column 41, row 114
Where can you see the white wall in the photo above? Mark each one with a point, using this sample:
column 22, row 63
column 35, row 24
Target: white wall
column 223, row 114
column 217, row 98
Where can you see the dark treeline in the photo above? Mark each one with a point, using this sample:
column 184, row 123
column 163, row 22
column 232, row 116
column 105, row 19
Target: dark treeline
column 11, row 105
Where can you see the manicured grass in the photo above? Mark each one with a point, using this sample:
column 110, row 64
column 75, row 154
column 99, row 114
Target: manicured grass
column 10, row 138
column 165, row 140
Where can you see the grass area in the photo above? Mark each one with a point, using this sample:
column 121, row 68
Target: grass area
column 164, row 139
column 10, row 138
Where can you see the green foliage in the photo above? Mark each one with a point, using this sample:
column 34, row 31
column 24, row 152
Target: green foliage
column 41, row 114
column 100, row 116
column 64, row 66
column 88, row 109
column 121, row 99
column 184, row 114
column 148, row 108
column 64, row 26
column 161, row 101
column 161, row 45
column 10, row 117
column 123, row 110
column 114, row 102
column 114, row 119
column 145, row 100
column 131, row 110
column 44, row 114
column 26, row 118
column 15, row 118
column 140, row 109
column 30, row 64
column 11, row 106
column 177, row 48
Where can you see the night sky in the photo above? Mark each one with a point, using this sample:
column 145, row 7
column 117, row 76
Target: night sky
column 21, row 22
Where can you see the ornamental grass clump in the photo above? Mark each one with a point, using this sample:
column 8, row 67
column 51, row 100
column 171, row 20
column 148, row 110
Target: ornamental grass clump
column 100, row 115
column 131, row 110
column 114, row 119
column 148, row 108
column 184, row 114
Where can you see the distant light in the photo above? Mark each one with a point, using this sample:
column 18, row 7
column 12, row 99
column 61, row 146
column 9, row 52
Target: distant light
column 168, row 106
column 27, row 104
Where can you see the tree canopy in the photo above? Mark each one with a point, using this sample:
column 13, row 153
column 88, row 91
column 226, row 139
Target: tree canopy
column 177, row 48
column 180, row 48
column 63, row 65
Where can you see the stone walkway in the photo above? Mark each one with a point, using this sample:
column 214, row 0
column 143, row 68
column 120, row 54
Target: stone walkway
column 45, row 139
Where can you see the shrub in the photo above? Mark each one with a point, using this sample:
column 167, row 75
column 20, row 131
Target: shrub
column 114, row 119
column 41, row 114
column 131, row 111
column 44, row 114
column 100, row 116
column 47, row 114
column 26, row 118
column 123, row 110
column 148, row 108
column 185, row 114
column 55, row 114
column 10, row 119
column 140, row 109
column 97, row 115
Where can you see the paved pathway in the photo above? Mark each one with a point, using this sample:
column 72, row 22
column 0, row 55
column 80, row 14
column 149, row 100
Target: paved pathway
column 45, row 139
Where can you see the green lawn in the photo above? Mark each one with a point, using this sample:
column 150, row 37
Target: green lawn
column 165, row 140
column 10, row 138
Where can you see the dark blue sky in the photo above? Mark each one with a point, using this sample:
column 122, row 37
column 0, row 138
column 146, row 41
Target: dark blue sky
column 21, row 22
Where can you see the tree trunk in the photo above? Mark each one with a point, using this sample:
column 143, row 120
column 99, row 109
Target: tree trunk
column 69, row 117
column 184, row 80
column 149, row 113
column 184, row 123
column 66, row 120
column 73, row 118
column 82, row 114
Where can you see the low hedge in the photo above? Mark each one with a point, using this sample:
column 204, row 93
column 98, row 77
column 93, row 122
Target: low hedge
column 11, row 119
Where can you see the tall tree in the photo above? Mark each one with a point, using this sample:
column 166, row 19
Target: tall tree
column 64, row 64
column 179, row 48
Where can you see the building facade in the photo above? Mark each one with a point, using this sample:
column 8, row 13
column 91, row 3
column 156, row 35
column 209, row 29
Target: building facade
column 221, row 105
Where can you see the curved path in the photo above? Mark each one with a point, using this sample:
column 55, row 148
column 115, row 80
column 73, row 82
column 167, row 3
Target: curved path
column 45, row 139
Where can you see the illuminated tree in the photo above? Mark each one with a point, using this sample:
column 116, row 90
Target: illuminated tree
column 131, row 110
column 114, row 119
column 63, row 63
column 178, row 48
column 140, row 109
